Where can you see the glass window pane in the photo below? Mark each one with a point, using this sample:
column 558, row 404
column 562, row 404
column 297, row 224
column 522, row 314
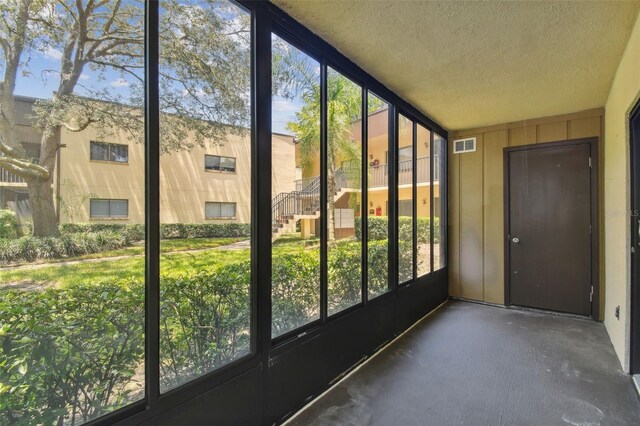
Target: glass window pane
column 423, row 187
column 378, row 196
column 205, row 87
column 119, row 153
column 228, row 164
column 344, row 185
column 119, row 208
column 212, row 162
column 99, row 151
column 72, row 335
column 405, row 154
column 405, row 200
column 439, row 243
column 212, row 210
column 295, row 292
column 228, row 209
column 99, row 208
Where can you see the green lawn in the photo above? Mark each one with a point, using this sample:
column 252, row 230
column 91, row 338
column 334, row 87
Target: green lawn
column 173, row 264
column 137, row 249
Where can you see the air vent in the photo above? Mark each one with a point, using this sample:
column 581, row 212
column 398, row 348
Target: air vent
column 464, row 145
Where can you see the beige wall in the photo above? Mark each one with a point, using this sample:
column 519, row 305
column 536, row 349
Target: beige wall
column 624, row 93
column 476, row 214
column 185, row 185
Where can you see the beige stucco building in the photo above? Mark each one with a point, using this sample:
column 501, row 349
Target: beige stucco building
column 100, row 178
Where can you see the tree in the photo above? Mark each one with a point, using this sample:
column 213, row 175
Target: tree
column 204, row 81
column 344, row 110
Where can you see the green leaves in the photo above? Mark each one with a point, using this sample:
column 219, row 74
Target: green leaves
column 205, row 321
column 32, row 248
column 8, row 224
column 69, row 353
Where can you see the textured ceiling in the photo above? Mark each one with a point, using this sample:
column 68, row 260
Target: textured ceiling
column 471, row 64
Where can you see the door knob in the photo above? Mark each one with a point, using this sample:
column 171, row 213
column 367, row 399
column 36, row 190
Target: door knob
column 516, row 240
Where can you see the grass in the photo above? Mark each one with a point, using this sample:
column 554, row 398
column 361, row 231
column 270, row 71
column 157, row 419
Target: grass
column 166, row 246
column 172, row 264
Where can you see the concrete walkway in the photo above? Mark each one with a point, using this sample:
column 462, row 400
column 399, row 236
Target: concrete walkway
column 470, row 364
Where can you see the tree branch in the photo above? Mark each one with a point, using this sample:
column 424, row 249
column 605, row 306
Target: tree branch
column 24, row 169
column 78, row 128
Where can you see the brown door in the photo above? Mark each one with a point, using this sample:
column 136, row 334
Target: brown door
column 549, row 228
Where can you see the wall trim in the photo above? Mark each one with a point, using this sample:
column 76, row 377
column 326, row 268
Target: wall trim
column 595, row 112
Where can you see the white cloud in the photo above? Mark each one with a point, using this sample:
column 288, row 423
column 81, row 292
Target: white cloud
column 120, row 82
column 84, row 76
column 284, row 105
column 52, row 53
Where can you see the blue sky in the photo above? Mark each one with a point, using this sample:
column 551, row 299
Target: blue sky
column 42, row 80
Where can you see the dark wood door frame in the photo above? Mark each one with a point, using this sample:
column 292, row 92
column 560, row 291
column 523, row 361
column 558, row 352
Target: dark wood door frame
column 595, row 203
column 634, row 314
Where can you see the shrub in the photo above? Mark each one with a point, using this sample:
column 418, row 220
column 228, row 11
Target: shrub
column 8, row 224
column 136, row 232
column 34, row 248
column 295, row 289
column 205, row 230
column 132, row 232
column 69, row 355
column 378, row 227
column 205, row 319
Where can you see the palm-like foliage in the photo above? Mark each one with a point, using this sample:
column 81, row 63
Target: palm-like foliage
column 343, row 110
column 295, row 74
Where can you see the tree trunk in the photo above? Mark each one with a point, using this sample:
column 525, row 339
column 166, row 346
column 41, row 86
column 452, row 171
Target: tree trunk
column 331, row 201
column 45, row 220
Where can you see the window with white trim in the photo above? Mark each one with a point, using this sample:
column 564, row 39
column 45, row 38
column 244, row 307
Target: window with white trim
column 219, row 163
column 108, row 208
column 219, row 210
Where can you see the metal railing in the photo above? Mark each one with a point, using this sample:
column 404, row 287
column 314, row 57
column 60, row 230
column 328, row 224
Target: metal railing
column 379, row 175
column 8, row 177
column 305, row 200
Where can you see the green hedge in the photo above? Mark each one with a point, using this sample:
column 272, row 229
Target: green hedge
column 34, row 248
column 63, row 347
column 379, row 228
column 133, row 232
column 8, row 224
column 205, row 230
column 136, row 232
column 52, row 343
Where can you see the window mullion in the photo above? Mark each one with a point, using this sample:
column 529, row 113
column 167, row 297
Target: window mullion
column 323, row 192
column 393, row 197
column 414, row 196
column 152, row 204
column 431, row 200
column 364, row 194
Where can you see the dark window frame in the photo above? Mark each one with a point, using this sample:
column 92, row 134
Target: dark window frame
column 109, row 146
column 266, row 18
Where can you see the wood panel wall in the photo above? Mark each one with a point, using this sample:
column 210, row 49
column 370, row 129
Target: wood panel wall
column 476, row 198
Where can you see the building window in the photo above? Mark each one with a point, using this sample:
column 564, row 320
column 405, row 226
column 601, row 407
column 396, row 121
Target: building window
column 101, row 151
column 104, row 208
column 217, row 210
column 219, row 163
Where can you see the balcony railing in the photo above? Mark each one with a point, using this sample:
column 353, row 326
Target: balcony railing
column 379, row 175
column 7, row 177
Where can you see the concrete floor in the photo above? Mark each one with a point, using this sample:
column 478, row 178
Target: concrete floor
column 471, row 364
